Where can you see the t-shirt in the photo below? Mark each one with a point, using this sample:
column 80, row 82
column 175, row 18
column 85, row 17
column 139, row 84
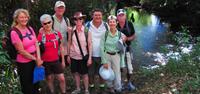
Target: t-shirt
column 51, row 46
column 125, row 31
column 96, row 38
column 28, row 43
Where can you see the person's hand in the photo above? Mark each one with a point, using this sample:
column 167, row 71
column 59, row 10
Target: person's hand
column 68, row 60
column 69, row 29
column 39, row 62
column 63, row 64
column 124, row 39
column 105, row 66
column 89, row 62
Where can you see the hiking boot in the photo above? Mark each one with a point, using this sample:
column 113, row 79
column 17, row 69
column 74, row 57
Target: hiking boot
column 102, row 85
column 130, row 86
column 77, row 91
column 91, row 86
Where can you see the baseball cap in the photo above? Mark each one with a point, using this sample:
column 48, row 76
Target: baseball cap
column 59, row 3
column 121, row 11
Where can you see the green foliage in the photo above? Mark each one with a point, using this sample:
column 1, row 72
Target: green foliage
column 9, row 82
column 182, row 37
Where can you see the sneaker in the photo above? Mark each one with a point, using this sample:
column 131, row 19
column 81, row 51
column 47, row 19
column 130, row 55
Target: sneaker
column 87, row 92
column 131, row 86
column 102, row 85
column 91, row 85
column 77, row 91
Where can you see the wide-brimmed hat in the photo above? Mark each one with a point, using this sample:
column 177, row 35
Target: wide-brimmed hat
column 107, row 74
column 78, row 15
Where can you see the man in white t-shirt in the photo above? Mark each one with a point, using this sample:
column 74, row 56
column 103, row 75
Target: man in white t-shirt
column 97, row 27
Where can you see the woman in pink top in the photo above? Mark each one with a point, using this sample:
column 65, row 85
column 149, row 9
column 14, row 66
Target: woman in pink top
column 26, row 48
column 80, row 48
column 53, row 47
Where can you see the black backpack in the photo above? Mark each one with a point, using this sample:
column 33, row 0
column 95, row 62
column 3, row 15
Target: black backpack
column 8, row 46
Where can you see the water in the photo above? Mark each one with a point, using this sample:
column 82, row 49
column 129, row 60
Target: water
column 150, row 35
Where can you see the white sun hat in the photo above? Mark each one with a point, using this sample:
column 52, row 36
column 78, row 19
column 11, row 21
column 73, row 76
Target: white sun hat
column 106, row 74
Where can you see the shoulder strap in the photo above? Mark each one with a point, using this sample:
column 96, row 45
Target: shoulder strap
column 127, row 27
column 79, row 45
column 18, row 33
column 30, row 30
column 106, row 35
column 119, row 34
column 52, row 22
column 86, row 37
column 67, row 21
column 106, row 26
column 57, row 37
column 43, row 38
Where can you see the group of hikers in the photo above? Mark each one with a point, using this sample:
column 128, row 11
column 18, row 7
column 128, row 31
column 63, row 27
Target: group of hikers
column 83, row 47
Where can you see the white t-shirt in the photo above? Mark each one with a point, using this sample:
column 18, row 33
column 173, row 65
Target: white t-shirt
column 96, row 38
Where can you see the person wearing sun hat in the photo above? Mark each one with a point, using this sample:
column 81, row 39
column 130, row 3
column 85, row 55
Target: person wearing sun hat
column 80, row 46
column 127, row 28
column 111, row 54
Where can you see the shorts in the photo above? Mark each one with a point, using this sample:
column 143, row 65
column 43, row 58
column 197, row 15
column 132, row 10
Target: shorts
column 94, row 67
column 65, row 58
column 54, row 67
column 79, row 66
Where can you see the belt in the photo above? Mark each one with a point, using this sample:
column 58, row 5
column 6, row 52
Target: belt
column 112, row 53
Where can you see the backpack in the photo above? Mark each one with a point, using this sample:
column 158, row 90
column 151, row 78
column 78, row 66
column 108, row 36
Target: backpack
column 42, row 43
column 8, row 46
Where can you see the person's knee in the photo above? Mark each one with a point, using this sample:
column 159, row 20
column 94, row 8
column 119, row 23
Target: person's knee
column 49, row 78
column 61, row 79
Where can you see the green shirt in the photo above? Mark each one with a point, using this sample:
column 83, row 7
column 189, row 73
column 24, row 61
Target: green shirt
column 110, row 46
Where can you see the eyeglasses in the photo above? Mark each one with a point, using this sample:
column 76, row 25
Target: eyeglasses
column 47, row 23
column 78, row 19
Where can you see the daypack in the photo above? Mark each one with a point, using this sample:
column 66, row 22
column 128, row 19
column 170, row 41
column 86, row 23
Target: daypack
column 42, row 43
column 8, row 46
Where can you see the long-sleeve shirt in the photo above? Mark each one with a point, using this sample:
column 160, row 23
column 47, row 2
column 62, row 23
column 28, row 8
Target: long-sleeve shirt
column 109, row 45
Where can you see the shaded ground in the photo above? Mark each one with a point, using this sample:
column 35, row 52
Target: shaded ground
column 71, row 86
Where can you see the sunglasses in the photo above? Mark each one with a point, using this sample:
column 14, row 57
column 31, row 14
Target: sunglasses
column 47, row 23
column 78, row 19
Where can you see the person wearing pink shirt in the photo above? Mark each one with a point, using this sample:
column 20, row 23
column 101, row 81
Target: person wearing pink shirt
column 80, row 46
column 27, row 50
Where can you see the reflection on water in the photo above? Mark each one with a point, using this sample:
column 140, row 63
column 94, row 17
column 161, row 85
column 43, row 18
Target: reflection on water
column 150, row 35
